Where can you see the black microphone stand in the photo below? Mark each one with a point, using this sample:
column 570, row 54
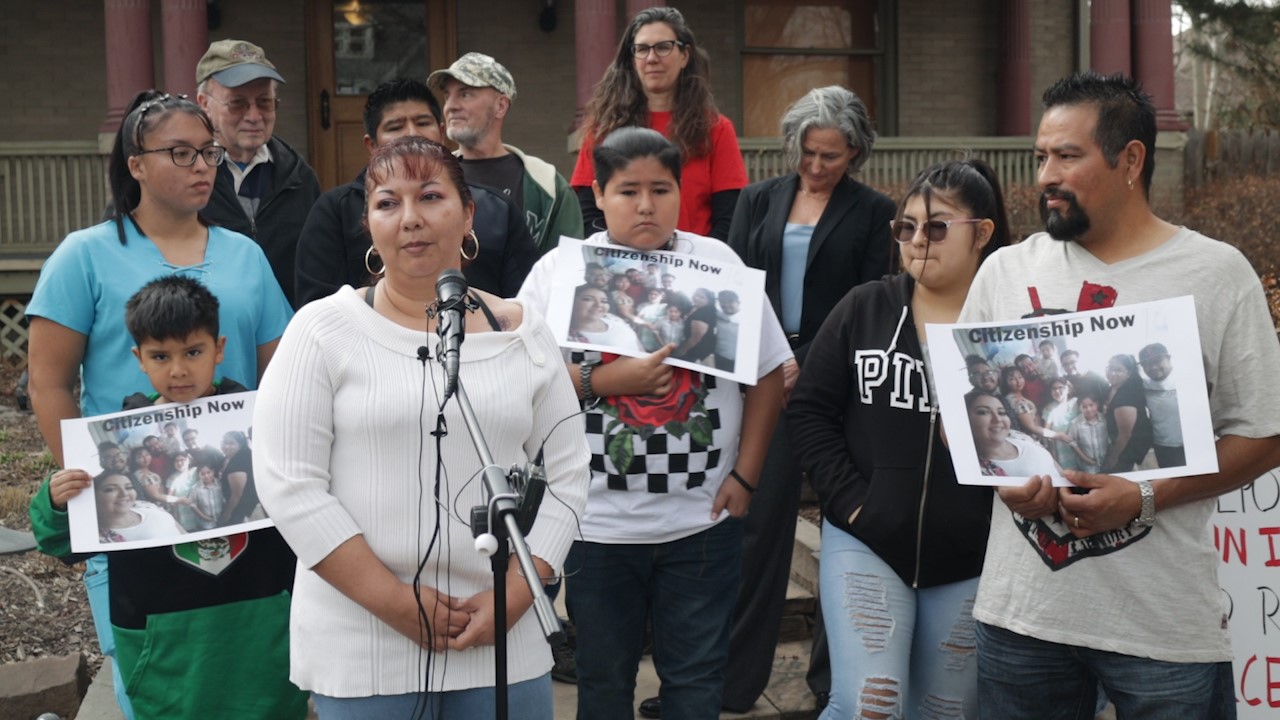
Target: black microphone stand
column 504, row 517
column 503, row 522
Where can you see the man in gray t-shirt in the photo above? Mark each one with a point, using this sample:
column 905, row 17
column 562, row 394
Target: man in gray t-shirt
column 1161, row 390
column 1114, row 580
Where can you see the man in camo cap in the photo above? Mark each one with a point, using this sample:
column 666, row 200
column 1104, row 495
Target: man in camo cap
column 478, row 92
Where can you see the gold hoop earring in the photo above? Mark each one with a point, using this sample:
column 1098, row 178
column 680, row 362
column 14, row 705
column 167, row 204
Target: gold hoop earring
column 369, row 255
column 463, row 250
column 1130, row 183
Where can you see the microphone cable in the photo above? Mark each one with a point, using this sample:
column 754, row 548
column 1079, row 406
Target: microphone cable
column 421, row 703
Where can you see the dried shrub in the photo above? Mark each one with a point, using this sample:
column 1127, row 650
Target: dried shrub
column 1272, row 287
column 13, row 505
column 1239, row 211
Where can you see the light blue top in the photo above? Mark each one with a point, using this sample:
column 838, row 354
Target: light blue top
column 90, row 276
column 795, row 255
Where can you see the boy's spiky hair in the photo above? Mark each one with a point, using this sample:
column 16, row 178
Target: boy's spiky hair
column 169, row 307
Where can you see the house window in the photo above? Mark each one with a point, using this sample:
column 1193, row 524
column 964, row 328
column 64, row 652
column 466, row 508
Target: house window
column 793, row 46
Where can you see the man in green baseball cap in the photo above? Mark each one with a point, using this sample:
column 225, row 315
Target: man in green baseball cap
column 266, row 189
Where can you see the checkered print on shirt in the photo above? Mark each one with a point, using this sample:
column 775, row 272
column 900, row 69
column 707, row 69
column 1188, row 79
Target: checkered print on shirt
column 659, row 464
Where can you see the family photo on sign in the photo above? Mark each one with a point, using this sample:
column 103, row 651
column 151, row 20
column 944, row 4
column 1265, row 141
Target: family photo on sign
column 638, row 303
column 1119, row 392
column 161, row 481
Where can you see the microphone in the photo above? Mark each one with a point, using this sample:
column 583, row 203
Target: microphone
column 451, row 299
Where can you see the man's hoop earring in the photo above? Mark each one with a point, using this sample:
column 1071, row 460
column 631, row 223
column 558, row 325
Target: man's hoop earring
column 470, row 234
column 1130, row 183
column 369, row 255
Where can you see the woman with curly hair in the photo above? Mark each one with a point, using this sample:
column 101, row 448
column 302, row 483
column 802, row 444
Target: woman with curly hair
column 659, row 79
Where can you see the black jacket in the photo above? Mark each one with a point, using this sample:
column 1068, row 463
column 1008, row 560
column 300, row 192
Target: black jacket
column 332, row 248
column 861, row 426
column 281, row 212
column 851, row 244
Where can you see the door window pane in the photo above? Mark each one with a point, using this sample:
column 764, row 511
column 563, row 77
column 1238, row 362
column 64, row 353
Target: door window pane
column 829, row 31
column 835, row 24
column 377, row 40
column 773, row 82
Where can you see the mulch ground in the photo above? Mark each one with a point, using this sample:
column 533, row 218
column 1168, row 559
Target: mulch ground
column 43, row 608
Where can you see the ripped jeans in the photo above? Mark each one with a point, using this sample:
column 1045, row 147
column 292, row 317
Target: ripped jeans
column 889, row 641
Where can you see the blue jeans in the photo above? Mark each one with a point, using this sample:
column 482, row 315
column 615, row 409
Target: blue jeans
column 530, row 699
column 97, row 588
column 1022, row 677
column 688, row 586
column 889, row 641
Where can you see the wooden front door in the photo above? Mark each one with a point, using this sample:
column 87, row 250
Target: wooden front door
column 355, row 45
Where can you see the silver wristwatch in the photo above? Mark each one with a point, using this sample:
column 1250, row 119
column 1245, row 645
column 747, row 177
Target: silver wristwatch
column 1147, row 517
column 584, row 377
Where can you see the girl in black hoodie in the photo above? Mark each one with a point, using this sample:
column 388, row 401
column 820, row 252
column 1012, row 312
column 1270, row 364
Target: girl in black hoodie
column 902, row 541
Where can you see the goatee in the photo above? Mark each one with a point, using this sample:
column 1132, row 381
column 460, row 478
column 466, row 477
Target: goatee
column 1070, row 225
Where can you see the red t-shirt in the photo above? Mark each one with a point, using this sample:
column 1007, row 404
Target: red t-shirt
column 720, row 169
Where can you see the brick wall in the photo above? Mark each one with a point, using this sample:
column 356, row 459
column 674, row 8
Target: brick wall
column 542, row 64
column 53, row 56
column 947, row 55
column 948, row 52
column 718, row 27
column 51, row 80
column 1053, row 48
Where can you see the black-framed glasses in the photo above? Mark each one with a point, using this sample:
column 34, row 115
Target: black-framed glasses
column 663, row 48
column 240, row 106
column 904, row 231
column 185, row 155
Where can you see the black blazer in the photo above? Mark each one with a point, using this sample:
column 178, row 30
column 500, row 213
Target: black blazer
column 851, row 244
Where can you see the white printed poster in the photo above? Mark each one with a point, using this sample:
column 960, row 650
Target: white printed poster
column 1246, row 535
column 1119, row 391
column 164, row 474
column 621, row 300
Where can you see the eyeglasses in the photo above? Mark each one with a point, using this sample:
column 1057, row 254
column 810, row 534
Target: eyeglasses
column 185, row 155
column 663, row 48
column 984, row 374
column 240, row 106
column 904, row 231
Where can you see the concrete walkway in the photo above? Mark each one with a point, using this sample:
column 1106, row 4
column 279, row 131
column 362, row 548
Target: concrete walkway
column 786, row 698
column 13, row 542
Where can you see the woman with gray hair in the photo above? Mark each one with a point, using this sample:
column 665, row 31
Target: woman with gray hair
column 816, row 232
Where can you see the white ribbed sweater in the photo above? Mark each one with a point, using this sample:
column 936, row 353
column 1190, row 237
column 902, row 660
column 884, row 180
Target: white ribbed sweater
column 341, row 447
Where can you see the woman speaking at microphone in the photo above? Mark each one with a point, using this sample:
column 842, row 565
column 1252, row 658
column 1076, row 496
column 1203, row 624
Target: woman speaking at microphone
column 393, row 607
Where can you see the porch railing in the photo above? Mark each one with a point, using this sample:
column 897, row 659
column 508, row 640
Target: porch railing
column 896, row 160
column 48, row 189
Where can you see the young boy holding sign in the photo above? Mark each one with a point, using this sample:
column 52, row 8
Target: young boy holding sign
column 210, row 616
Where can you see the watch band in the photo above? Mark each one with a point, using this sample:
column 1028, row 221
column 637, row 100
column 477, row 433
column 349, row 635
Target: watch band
column 584, row 376
column 1147, row 517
